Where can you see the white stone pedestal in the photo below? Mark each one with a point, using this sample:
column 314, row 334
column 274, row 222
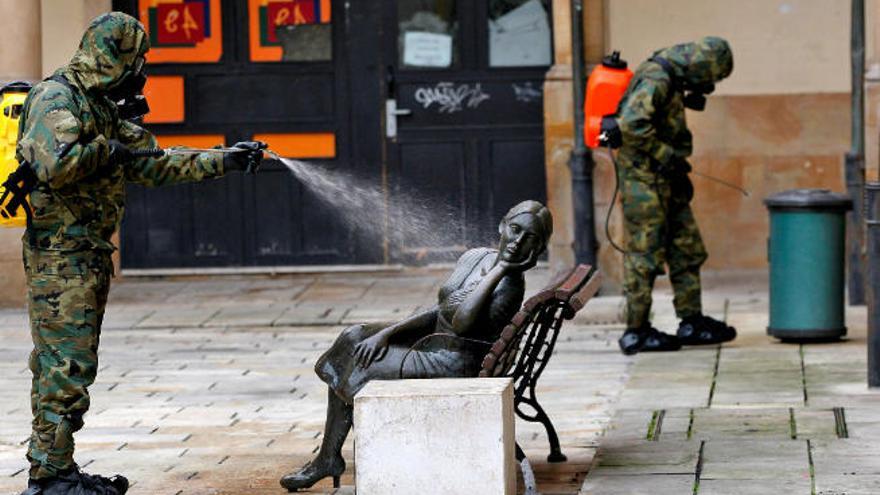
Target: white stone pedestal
column 440, row 436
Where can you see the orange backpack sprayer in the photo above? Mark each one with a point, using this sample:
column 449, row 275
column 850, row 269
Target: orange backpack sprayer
column 605, row 88
column 13, row 191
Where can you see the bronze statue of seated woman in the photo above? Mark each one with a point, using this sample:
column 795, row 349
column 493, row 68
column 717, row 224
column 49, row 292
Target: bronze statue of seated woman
column 484, row 291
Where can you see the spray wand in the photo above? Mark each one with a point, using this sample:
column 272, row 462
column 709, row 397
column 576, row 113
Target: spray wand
column 160, row 152
column 603, row 138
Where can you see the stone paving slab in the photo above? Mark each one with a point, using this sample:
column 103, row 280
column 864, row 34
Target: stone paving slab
column 715, row 423
column 847, row 485
column 756, row 459
column 638, row 484
column 178, row 317
column 754, row 487
column 311, row 314
column 645, row 457
column 246, row 316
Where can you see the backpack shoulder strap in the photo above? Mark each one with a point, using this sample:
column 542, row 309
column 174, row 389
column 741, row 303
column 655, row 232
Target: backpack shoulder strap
column 675, row 84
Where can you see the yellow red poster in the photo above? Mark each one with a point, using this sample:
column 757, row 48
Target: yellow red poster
column 266, row 15
column 182, row 31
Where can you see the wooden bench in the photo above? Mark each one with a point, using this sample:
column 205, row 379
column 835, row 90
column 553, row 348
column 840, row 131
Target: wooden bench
column 527, row 342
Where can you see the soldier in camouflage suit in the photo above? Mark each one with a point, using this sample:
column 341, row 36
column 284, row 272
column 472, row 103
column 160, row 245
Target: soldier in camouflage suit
column 656, row 191
column 80, row 151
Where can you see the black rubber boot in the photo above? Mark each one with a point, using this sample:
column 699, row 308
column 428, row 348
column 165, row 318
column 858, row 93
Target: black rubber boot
column 75, row 482
column 703, row 330
column 329, row 461
column 647, row 339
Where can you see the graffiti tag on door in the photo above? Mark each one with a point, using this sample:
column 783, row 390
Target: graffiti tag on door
column 450, row 98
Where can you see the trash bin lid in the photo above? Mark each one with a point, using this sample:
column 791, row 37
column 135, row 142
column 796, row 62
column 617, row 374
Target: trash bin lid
column 809, row 199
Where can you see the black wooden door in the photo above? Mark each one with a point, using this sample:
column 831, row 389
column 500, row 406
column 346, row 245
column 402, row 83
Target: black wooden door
column 265, row 220
column 464, row 115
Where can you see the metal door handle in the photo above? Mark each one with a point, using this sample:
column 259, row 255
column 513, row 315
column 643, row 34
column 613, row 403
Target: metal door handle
column 391, row 114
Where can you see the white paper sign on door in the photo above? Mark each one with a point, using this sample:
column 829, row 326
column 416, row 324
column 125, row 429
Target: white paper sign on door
column 521, row 37
column 427, row 49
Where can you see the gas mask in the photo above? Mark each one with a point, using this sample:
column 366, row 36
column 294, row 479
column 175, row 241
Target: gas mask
column 695, row 95
column 128, row 94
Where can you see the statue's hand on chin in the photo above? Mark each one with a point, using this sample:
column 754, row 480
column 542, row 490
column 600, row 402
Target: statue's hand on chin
column 519, row 266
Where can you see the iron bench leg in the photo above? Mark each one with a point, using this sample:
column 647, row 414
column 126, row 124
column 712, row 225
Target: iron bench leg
column 541, row 416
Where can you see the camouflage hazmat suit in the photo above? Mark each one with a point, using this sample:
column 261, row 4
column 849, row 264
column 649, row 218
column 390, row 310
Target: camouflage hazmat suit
column 653, row 168
column 77, row 206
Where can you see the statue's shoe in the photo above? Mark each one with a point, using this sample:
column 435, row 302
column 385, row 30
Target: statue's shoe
column 313, row 472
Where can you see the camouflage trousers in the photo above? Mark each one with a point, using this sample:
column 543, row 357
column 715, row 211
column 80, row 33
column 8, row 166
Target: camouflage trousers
column 67, row 293
column 661, row 231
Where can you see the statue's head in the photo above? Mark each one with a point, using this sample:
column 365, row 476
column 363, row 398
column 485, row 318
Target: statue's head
column 525, row 231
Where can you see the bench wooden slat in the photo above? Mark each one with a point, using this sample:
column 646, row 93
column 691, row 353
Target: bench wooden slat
column 521, row 317
column 509, row 332
column 573, row 282
column 586, row 292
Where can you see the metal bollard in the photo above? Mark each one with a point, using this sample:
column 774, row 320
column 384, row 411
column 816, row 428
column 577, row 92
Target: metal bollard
column 872, row 241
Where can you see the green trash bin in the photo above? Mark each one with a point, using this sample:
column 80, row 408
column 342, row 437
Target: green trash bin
column 806, row 251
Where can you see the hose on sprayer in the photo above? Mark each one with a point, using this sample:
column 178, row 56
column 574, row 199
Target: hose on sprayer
column 611, row 241
column 612, row 204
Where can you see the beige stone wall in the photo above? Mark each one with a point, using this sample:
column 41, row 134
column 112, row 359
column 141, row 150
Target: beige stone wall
column 63, row 23
column 765, row 143
column 780, row 121
column 19, row 40
column 780, row 46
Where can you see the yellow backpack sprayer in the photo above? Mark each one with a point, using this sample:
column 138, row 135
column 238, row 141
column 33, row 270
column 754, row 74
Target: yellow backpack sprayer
column 13, row 196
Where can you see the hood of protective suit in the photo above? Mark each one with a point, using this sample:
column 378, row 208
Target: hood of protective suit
column 705, row 61
column 108, row 50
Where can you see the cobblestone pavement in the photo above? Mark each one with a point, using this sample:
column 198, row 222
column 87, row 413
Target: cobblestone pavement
column 206, row 385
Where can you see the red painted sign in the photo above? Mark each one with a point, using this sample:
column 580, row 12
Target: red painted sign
column 180, row 24
column 289, row 14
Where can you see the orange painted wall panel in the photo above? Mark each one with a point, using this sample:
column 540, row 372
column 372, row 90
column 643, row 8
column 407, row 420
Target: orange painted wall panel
column 209, row 49
column 260, row 52
column 165, row 94
column 302, row 145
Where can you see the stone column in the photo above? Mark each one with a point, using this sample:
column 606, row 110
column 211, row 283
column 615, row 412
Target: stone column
column 20, row 58
column 558, row 138
column 872, row 90
column 558, row 132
